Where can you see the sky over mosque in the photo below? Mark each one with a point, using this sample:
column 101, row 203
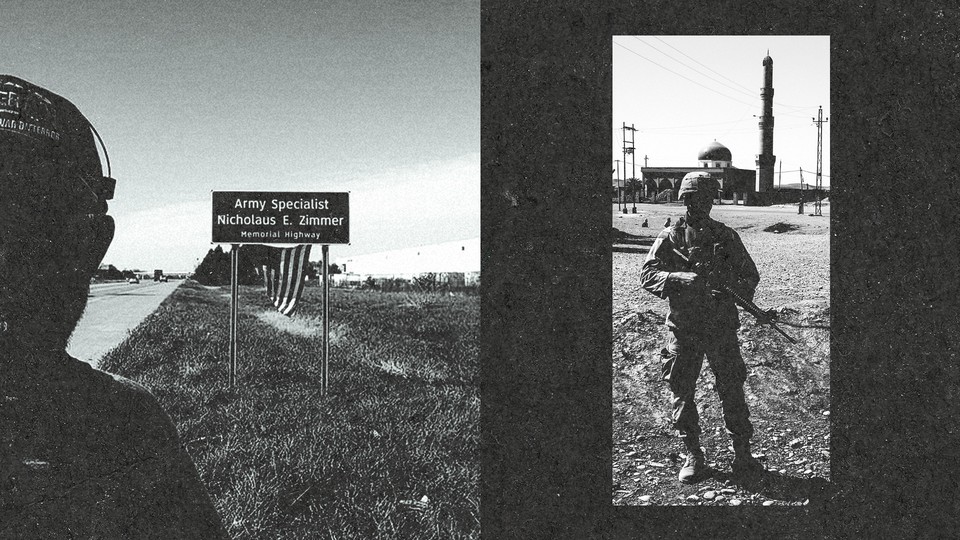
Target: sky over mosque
column 683, row 92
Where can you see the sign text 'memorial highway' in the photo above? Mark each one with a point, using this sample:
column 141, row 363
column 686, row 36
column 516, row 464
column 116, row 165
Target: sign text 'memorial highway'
column 280, row 217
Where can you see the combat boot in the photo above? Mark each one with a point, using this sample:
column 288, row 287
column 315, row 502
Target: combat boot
column 695, row 468
column 744, row 464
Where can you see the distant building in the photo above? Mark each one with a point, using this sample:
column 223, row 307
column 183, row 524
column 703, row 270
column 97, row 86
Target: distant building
column 663, row 183
column 457, row 263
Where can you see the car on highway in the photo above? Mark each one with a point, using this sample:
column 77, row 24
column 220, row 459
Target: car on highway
column 133, row 280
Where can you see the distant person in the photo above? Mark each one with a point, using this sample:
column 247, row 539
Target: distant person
column 644, row 224
column 680, row 222
column 666, row 223
column 84, row 454
column 703, row 321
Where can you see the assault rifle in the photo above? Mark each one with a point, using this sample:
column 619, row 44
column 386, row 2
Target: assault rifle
column 763, row 317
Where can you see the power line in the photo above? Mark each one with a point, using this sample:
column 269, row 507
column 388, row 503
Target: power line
column 704, row 65
column 682, row 76
column 744, row 91
column 691, row 125
column 730, row 129
column 668, row 131
column 800, row 170
column 791, row 171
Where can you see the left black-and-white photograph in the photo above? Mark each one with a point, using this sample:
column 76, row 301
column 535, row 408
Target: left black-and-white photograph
column 240, row 247
column 721, row 270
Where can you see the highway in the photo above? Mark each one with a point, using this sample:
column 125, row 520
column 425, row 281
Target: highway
column 113, row 309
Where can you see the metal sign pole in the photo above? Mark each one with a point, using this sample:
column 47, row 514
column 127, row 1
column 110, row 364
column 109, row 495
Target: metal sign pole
column 234, row 293
column 324, row 370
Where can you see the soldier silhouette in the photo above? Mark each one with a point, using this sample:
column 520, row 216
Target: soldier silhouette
column 83, row 453
column 703, row 322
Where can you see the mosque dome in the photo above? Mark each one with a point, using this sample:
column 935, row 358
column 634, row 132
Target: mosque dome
column 715, row 152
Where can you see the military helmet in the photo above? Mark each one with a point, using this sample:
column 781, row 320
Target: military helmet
column 698, row 181
column 48, row 151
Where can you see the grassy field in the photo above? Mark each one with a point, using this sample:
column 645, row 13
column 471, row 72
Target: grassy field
column 390, row 452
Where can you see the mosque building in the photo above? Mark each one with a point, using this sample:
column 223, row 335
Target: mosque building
column 663, row 183
column 737, row 186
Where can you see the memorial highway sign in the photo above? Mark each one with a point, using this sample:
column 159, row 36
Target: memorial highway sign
column 280, row 217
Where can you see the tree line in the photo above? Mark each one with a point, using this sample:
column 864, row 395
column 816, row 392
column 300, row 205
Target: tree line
column 215, row 267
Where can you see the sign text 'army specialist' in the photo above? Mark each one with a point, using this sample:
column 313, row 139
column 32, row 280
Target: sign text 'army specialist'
column 271, row 217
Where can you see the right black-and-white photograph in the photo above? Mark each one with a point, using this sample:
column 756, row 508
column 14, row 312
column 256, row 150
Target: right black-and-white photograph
column 720, row 207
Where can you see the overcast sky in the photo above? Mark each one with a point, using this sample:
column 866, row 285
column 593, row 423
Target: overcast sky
column 379, row 98
column 683, row 92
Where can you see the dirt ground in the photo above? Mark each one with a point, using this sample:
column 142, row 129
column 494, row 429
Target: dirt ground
column 787, row 385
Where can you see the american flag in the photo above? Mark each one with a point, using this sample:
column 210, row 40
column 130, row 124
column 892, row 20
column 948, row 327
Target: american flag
column 284, row 276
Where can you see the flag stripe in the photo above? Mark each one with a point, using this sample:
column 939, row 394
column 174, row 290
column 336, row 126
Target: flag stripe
column 284, row 276
column 297, row 281
column 281, row 278
column 289, row 270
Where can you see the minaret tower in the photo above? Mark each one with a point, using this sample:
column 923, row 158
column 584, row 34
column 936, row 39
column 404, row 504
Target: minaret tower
column 766, row 159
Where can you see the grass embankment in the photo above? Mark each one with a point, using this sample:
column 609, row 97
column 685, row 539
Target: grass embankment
column 390, row 452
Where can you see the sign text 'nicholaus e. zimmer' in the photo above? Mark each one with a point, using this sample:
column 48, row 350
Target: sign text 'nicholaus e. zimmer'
column 280, row 217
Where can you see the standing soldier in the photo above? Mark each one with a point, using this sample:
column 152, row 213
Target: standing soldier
column 703, row 320
column 83, row 453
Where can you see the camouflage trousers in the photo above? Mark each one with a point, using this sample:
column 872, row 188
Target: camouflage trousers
column 682, row 359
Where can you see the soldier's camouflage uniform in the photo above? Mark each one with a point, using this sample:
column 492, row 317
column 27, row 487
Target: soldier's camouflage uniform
column 702, row 322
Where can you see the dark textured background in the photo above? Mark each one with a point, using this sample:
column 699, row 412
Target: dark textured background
column 546, row 397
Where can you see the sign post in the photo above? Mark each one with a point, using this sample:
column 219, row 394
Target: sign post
column 234, row 293
column 286, row 217
column 325, row 368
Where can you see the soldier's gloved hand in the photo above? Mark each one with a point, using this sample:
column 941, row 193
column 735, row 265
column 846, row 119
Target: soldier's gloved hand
column 688, row 280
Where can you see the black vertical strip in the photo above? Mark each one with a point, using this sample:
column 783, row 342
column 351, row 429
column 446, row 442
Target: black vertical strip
column 895, row 374
column 895, row 255
column 545, row 396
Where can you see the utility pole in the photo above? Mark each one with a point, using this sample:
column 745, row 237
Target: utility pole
column 819, row 121
column 618, row 184
column 629, row 150
column 644, row 187
column 633, row 164
column 801, row 191
column 780, row 177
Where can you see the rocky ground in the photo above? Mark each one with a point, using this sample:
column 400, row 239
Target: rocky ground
column 787, row 385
